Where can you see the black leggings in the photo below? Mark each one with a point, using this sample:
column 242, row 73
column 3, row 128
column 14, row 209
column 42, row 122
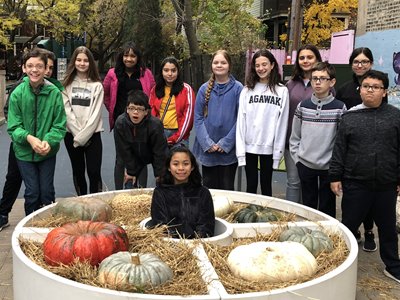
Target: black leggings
column 88, row 157
column 265, row 173
column 220, row 177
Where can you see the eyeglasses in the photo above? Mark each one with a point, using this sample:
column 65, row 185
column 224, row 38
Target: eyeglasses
column 374, row 88
column 320, row 79
column 362, row 62
column 136, row 109
column 37, row 67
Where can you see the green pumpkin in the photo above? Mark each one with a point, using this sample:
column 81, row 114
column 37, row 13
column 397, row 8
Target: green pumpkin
column 85, row 209
column 315, row 241
column 141, row 270
column 255, row 214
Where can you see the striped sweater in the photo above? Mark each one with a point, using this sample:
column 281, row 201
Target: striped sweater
column 314, row 128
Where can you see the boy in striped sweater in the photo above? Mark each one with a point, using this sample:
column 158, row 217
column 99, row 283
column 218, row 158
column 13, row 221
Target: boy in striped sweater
column 314, row 128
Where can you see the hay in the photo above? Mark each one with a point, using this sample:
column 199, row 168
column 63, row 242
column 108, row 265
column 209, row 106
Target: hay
column 130, row 209
column 218, row 256
column 381, row 287
column 187, row 275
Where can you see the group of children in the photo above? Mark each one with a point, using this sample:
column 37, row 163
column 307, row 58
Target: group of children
column 355, row 153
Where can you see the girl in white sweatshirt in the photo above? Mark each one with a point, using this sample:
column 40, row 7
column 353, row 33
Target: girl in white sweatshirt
column 262, row 122
column 83, row 100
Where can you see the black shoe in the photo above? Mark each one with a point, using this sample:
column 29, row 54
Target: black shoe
column 369, row 243
column 391, row 276
column 3, row 222
column 358, row 236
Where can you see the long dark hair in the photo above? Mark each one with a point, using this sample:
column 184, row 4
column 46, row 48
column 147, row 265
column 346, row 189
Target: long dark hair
column 93, row 72
column 140, row 66
column 177, row 86
column 194, row 177
column 298, row 72
column 362, row 50
column 274, row 77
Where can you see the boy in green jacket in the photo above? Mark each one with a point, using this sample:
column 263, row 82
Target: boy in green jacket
column 36, row 124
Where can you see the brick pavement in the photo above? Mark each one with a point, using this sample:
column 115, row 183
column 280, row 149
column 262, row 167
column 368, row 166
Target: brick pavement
column 372, row 284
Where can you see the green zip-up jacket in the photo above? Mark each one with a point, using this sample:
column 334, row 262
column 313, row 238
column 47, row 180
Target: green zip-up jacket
column 41, row 115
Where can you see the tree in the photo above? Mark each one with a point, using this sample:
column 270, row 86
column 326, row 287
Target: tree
column 103, row 23
column 212, row 24
column 144, row 28
column 319, row 23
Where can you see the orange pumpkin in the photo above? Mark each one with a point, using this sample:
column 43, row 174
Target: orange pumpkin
column 84, row 240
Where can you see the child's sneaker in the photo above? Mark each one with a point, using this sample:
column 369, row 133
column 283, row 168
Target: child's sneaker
column 369, row 242
column 3, row 222
column 358, row 236
column 391, row 276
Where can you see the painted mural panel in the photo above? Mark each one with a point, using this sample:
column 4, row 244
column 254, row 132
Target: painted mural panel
column 385, row 46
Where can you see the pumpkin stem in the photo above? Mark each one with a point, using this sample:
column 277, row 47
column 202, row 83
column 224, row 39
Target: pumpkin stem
column 135, row 259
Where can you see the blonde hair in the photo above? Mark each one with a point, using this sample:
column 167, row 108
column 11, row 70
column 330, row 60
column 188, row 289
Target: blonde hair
column 211, row 81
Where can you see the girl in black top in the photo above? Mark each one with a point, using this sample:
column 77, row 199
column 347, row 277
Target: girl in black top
column 181, row 201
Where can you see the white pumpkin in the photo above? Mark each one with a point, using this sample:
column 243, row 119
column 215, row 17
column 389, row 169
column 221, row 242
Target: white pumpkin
column 222, row 205
column 272, row 262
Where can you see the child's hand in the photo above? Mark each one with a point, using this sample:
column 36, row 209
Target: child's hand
column 213, row 148
column 35, row 143
column 336, row 188
column 45, row 148
column 128, row 177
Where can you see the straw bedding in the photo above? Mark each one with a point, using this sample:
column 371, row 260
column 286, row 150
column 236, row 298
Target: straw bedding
column 129, row 210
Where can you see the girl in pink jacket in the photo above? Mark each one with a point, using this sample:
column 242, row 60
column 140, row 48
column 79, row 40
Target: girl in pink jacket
column 130, row 73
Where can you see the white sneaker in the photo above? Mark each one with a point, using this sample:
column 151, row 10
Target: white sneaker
column 391, row 276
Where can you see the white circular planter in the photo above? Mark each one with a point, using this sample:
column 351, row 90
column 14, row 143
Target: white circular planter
column 33, row 282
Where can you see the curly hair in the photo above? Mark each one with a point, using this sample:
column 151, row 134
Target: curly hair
column 274, row 77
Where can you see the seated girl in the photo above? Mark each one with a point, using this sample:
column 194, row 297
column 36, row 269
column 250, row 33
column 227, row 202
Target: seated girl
column 181, row 201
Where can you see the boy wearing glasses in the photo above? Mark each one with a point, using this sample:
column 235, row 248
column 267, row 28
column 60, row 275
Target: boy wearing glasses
column 36, row 124
column 314, row 129
column 139, row 139
column 365, row 166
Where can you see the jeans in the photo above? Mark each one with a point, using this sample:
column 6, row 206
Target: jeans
column 39, row 183
column 169, row 132
column 12, row 184
column 293, row 186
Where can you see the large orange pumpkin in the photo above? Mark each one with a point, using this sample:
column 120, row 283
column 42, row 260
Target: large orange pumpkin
column 85, row 240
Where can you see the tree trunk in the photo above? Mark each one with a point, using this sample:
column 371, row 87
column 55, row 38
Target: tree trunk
column 190, row 30
column 185, row 13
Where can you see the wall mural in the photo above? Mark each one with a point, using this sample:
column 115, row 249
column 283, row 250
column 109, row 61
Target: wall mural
column 386, row 50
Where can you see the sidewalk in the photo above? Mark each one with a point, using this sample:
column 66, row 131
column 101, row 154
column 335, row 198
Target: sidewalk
column 6, row 289
column 371, row 284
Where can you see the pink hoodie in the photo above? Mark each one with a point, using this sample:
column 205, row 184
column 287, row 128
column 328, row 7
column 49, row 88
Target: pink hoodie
column 110, row 85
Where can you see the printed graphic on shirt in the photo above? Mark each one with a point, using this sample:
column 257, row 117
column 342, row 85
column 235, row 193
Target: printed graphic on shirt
column 265, row 99
column 81, row 96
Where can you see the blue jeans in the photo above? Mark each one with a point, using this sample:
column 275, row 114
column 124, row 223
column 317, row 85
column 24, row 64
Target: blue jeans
column 38, row 178
column 293, row 186
column 169, row 132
